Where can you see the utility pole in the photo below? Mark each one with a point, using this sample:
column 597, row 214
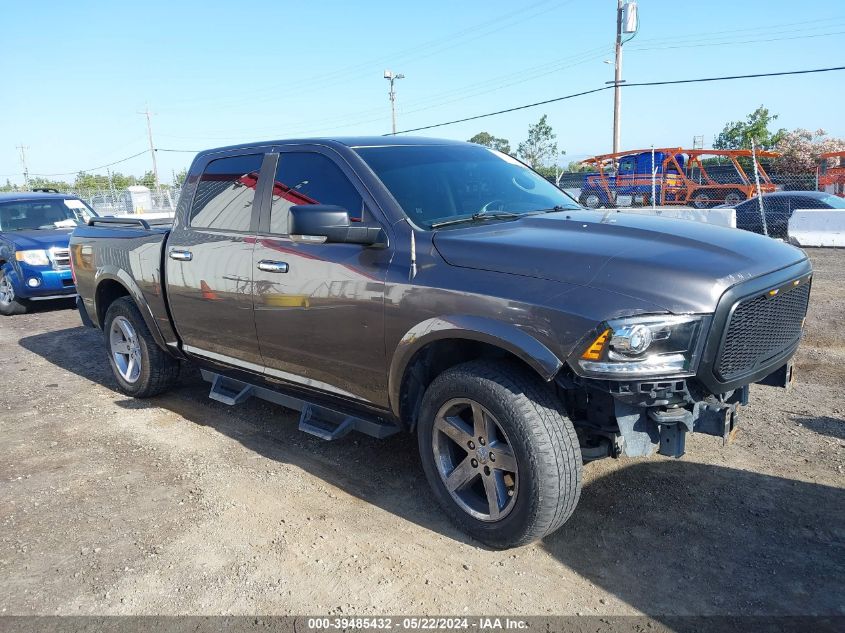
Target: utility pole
column 147, row 113
column 391, row 77
column 23, row 149
column 617, row 80
column 627, row 23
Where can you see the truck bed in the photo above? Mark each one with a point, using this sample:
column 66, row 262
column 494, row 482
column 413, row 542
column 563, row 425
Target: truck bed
column 130, row 252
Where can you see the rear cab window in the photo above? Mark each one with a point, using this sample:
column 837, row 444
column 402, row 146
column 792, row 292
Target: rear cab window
column 225, row 193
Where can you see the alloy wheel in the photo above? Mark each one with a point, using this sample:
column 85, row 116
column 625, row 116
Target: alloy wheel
column 125, row 349
column 7, row 292
column 475, row 459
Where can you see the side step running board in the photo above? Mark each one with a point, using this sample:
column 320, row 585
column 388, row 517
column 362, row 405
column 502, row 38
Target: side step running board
column 229, row 391
column 327, row 424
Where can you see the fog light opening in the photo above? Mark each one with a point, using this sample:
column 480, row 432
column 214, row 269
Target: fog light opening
column 33, row 282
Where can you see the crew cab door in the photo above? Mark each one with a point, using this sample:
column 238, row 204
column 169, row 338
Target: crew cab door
column 319, row 306
column 208, row 261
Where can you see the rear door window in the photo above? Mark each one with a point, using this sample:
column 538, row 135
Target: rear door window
column 226, row 193
column 304, row 178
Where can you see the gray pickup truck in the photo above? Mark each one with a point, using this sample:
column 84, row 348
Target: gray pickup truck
column 442, row 288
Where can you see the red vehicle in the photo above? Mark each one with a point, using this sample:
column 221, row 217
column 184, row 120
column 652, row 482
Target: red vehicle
column 831, row 173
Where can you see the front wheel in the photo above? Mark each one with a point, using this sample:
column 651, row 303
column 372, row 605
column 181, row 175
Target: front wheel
column 590, row 199
column 501, row 458
column 702, row 200
column 141, row 368
column 10, row 304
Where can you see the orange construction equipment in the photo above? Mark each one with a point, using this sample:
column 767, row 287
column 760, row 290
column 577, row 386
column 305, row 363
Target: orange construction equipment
column 677, row 176
column 831, row 173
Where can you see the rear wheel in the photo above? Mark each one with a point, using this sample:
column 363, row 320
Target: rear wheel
column 141, row 368
column 9, row 303
column 501, row 458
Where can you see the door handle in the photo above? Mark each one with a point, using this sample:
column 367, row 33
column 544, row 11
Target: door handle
column 182, row 256
column 269, row 266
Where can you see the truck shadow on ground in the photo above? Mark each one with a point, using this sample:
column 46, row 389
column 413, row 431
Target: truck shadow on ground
column 664, row 536
column 677, row 537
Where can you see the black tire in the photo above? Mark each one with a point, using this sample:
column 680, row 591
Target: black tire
column 9, row 303
column 590, row 199
column 542, row 440
column 158, row 370
column 734, row 197
column 703, row 199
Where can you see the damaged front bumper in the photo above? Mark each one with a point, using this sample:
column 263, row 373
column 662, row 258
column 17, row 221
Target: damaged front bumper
column 658, row 415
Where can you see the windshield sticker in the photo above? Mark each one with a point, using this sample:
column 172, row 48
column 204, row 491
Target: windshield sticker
column 75, row 204
column 65, row 224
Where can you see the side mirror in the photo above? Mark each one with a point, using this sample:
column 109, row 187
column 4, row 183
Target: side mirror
column 329, row 223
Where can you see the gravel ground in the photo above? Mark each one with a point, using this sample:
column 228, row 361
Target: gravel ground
column 181, row 505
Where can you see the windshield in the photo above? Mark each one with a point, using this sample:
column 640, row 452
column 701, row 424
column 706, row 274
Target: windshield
column 52, row 213
column 834, row 202
column 437, row 183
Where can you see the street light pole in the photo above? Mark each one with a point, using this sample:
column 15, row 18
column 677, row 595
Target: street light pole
column 392, row 77
column 617, row 88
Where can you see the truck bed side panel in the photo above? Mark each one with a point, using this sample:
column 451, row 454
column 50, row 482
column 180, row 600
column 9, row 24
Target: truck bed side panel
column 131, row 257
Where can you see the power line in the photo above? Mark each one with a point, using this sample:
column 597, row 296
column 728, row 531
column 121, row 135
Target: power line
column 507, row 110
column 625, row 85
column 429, row 48
column 117, row 162
column 772, row 29
column 705, row 43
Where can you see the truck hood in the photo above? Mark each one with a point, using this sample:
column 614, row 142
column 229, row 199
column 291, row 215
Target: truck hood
column 38, row 239
column 677, row 265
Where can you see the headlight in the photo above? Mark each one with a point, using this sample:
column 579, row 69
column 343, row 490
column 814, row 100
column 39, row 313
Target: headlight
column 33, row 258
column 638, row 347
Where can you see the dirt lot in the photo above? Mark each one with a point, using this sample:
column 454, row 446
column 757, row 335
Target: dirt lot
column 182, row 505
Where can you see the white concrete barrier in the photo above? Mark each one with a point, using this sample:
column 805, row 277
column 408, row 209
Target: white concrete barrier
column 817, row 227
column 718, row 217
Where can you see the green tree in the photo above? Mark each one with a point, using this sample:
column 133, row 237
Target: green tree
column 576, row 165
column 488, row 140
column 182, row 175
column 540, row 146
column 119, row 181
column 148, row 180
column 738, row 134
column 38, row 182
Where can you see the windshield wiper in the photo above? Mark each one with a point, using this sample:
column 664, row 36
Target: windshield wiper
column 555, row 209
column 480, row 215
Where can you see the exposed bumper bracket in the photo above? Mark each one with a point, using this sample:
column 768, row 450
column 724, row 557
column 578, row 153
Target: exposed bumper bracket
column 781, row 377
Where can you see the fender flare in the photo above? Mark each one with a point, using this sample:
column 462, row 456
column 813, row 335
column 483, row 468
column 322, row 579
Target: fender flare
column 113, row 273
column 506, row 336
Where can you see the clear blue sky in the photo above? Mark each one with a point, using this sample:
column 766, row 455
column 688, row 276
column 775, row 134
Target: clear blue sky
column 75, row 74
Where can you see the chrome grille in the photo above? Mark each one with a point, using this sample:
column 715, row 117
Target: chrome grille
column 760, row 329
column 60, row 258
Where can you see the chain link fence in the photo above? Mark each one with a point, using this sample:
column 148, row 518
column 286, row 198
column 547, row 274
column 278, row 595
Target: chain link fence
column 720, row 186
column 133, row 200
